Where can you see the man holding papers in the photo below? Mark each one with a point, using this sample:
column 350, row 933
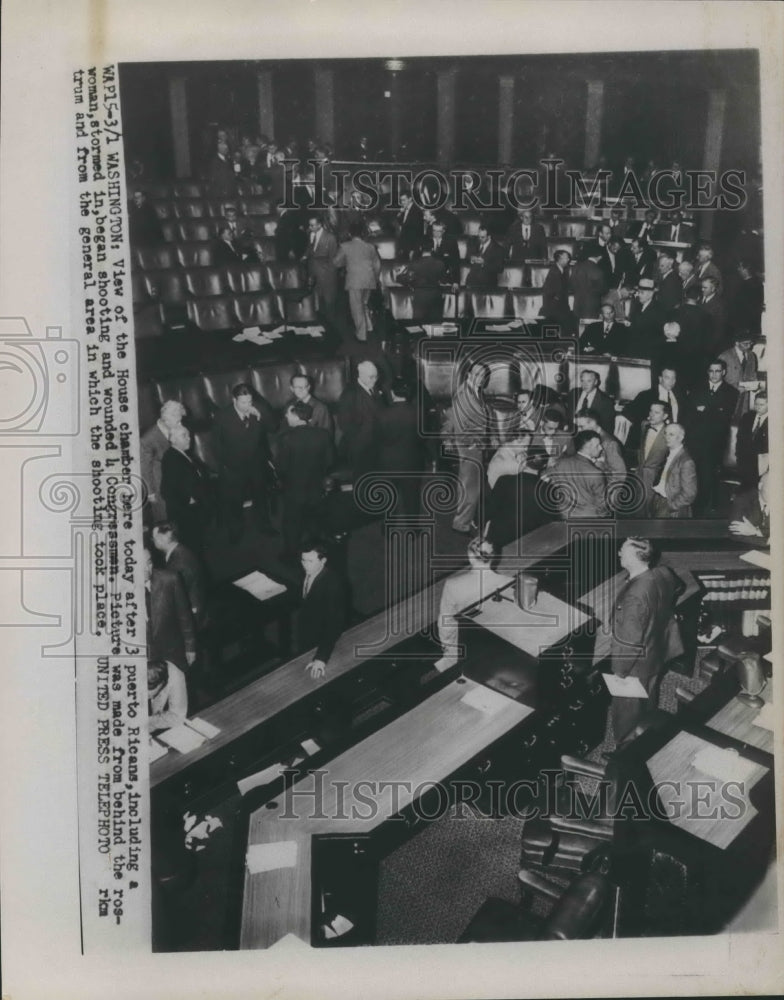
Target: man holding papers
column 645, row 634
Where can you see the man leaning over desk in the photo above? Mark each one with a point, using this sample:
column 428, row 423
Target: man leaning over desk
column 322, row 615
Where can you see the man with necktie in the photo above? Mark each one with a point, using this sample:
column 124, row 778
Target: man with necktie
column 320, row 259
column 606, row 336
column 526, row 239
column 676, row 488
column 652, row 452
column 711, row 405
column 444, row 248
column 411, row 228
column 590, row 397
column 487, row 261
column 713, row 304
column 742, row 367
column 675, row 230
column 154, row 444
column 322, row 615
column 555, row 294
column 751, row 451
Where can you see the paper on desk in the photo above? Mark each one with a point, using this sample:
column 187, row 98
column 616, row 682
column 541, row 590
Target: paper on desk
column 340, row 925
column 265, row 777
column 414, row 329
column 259, row 585
column 202, row 726
column 499, row 328
column 310, row 747
column 724, row 764
column 624, row 687
column 269, row 857
column 485, row 700
column 765, row 719
column 757, row 558
column 182, row 738
column 156, row 750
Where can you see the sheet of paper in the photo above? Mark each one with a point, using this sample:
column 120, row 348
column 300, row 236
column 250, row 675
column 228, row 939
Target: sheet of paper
column 765, row 719
column 757, row 558
column 269, row 857
column 264, row 777
column 485, row 700
column 182, row 738
column 156, row 750
column 340, row 925
column 310, row 747
column 259, row 585
column 203, row 727
column 624, row 687
column 414, row 329
column 724, row 764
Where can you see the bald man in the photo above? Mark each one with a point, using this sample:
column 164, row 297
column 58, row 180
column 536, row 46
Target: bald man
column 358, row 418
column 676, row 488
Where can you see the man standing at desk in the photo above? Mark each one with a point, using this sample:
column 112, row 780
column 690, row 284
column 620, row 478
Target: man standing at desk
column 322, row 616
column 645, row 635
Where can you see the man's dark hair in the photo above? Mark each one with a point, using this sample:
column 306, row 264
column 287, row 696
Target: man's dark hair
column 167, row 528
column 692, row 293
column 582, row 438
column 553, row 415
column 302, row 410
column 591, row 414
column 157, row 673
column 242, row 389
column 645, row 550
column 356, row 228
column 304, row 375
column 319, row 548
column 718, row 361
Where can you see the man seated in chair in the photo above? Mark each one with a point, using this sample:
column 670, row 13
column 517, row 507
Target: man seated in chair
column 167, row 694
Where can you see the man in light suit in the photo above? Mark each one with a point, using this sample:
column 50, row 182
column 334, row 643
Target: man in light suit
column 742, row 366
column 363, row 267
column 645, row 633
column 676, row 488
column 154, row 444
column 652, row 452
column 320, row 259
column 580, row 484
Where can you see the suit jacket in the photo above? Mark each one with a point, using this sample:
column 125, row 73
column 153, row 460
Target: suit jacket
column 425, row 277
column 534, row 248
column 582, row 487
column 737, row 371
column 304, row 456
column 220, row 177
column 154, row 445
column 637, row 411
column 170, row 624
column 749, row 446
column 649, row 466
column 183, row 562
column 321, row 263
column 645, row 330
column 401, row 448
column 226, row 253
column 642, row 266
column 746, row 305
column 411, row 231
column 612, row 462
column 680, row 487
column 185, row 487
column 587, row 285
column 711, row 416
column 361, row 262
column 359, row 413
column 641, row 230
column 555, row 297
column 669, row 291
column 485, row 275
column 694, row 341
column 241, row 449
column 594, row 339
column 322, row 615
column 644, row 630
column 709, row 270
column 144, row 226
column 602, row 403
column 448, row 252
column 618, row 269
column 717, row 314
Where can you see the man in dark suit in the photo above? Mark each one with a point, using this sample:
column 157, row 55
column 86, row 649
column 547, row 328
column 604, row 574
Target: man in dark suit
column 359, row 412
column 323, row 274
column 322, row 615
column 646, row 322
column 179, row 559
column 144, row 226
column 442, row 216
column 645, row 633
column 747, row 302
column 619, row 227
column 675, row 230
column 425, row 276
column 615, row 262
column 652, row 452
column 676, row 488
column 695, row 338
column 641, row 262
column 170, row 633
column 220, row 173
column 667, row 390
column 555, row 294
column 669, row 290
column 713, row 304
column 225, row 251
column 401, row 453
column 643, row 231
column 580, row 484
column 604, row 337
column 587, row 283
column 487, row 261
column 590, row 397
column 303, row 457
column 411, row 228
column 186, row 489
column 155, row 442
column 688, row 278
column 711, row 405
column 444, row 248
column 243, row 453
column 526, row 239
column 751, row 450
column 302, row 389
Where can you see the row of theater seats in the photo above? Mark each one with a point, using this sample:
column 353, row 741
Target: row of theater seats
column 209, row 208
column 190, row 189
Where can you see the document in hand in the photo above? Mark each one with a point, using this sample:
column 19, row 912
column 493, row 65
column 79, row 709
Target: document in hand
column 624, row 687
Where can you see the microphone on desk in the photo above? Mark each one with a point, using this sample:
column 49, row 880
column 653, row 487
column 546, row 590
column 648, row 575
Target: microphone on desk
column 752, row 679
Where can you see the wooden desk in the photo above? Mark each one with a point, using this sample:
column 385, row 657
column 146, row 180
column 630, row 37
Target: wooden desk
column 427, row 745
column 736, row 719
column 253, row 706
